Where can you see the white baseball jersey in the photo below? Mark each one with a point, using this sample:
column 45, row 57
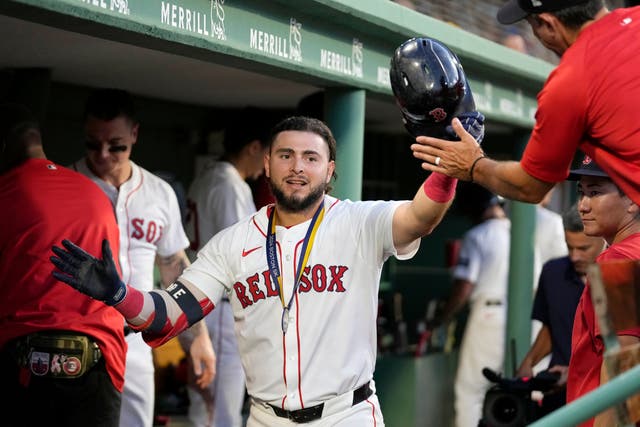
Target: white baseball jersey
column 549, row 240
column 218, row 198
column 483, row 261
column 148, row 216
column 330, row 344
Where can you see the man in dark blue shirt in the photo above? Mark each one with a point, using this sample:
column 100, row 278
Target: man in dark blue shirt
column 559, row 288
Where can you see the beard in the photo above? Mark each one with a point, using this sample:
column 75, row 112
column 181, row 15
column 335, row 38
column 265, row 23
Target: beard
column 294, row 203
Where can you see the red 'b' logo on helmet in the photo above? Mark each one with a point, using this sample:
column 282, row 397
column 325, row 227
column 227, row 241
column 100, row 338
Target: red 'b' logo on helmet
column 438, row 114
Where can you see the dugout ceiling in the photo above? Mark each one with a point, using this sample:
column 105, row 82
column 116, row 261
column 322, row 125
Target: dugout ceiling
column 230, row 53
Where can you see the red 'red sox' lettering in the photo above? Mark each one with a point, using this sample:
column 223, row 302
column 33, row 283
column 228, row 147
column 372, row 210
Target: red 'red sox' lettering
column 318, row 278
column 151, row 233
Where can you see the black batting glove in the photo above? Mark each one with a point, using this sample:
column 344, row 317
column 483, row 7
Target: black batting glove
column 473, row 122
column 97, row 278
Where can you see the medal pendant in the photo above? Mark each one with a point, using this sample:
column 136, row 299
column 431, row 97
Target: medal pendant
column 285, row 320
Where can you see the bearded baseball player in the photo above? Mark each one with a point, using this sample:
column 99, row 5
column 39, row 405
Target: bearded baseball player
column 148, row 216
column 303, row 277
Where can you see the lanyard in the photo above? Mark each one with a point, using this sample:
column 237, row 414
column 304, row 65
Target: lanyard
column 272, row 259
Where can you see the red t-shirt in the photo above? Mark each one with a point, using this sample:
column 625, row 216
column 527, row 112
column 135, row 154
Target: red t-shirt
column 587, row 345
column 590, row 102
column 42, row 204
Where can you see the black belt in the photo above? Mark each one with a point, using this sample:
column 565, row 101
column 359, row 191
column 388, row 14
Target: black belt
column 313, row 413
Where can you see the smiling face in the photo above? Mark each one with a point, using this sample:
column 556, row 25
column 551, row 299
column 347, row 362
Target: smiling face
column 299, row 169
column 604, row 210
column 109, row 144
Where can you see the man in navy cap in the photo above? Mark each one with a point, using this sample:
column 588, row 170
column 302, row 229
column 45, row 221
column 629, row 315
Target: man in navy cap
column 588, row 102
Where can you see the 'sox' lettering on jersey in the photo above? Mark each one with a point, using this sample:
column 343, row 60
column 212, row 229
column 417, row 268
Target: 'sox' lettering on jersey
column 151, row 233
column 318, row 278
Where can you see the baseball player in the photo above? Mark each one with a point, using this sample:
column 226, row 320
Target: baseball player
column 219, row 197
column 302, row 276
column 480, row 278
column 151, row 231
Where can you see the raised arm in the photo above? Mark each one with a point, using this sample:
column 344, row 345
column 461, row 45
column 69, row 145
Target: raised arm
column 419, row 217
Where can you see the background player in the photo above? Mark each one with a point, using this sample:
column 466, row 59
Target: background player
column 44, row 380
column 151, row 230
column 480, row 279
column 219, row 197
column 307, row 307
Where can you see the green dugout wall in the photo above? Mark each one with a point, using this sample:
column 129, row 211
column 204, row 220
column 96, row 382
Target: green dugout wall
column 342, row 47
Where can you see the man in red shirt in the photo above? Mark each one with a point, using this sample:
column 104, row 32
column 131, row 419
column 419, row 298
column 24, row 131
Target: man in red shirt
column 61, row 353
column 588, row 102
column 606, row 212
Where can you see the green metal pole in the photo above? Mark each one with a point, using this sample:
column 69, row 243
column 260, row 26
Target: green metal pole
column 344, row 113
column 520, row 294
column 591, row 404
column 518, row 338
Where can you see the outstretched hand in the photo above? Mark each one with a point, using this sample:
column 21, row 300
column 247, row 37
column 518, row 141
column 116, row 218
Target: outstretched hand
column 97, row 278
column 451, row 158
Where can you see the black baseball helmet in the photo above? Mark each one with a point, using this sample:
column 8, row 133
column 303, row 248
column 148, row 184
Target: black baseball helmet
column 430, row 86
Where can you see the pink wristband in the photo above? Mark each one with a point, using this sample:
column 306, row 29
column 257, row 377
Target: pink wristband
column 440, row 188
column 131, row 305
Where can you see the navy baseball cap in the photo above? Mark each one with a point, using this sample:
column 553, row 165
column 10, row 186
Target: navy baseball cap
column 587, row 168
column 515, row 10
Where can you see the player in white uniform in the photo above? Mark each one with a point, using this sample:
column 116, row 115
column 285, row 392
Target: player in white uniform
column 150, row 226
column 481, row 278
column 219, row 197
column 303, row 278
column 482, row 272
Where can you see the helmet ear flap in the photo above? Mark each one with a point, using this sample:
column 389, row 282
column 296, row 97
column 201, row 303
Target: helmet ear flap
column 429, row 85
